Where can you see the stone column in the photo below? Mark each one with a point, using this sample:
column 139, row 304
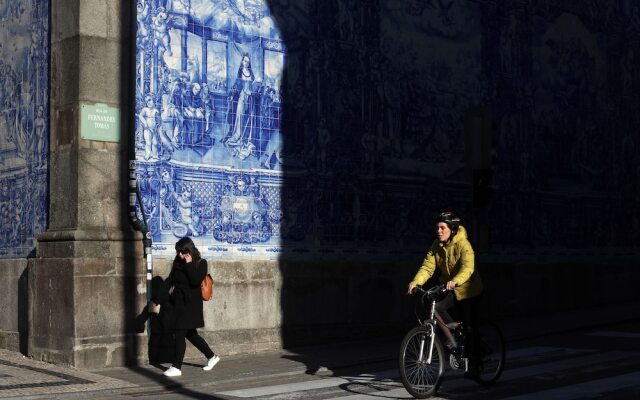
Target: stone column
column 86, row 284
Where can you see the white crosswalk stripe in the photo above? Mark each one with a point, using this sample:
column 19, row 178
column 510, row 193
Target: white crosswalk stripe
column 399, row 393
column 311, row 385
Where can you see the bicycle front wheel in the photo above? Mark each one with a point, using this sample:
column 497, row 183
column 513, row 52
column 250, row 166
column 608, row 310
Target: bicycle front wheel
column 492, row 353
column 421, row 362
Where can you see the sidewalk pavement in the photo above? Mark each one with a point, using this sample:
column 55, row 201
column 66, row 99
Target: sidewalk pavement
column 24, row 378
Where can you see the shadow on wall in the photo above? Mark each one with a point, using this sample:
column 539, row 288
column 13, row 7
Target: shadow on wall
column 374, row 98
column 132, row 272
column 356, row 198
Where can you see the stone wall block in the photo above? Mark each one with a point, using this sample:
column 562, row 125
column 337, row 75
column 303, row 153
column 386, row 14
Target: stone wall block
column 63, row 143
column 242, row 306
column 100, row 308
column 99, row 80
column 93, row 19
column 65, row 17
column 63, row 200
column 65, row 71
column 263, row 271
column 12, row 276
column 10, row 340
column 311, row 301
column 110, row 354
column 92, row 248
column 95, row 267
column 13, row 304
column 238, row 341
column 51, row 296
column 162, row 268
column 117, row 17
column 51, row 309
column 129, row 266
column 99, row 193
column 56, row 249
column 91, row 356
column 89, row 244
column 132, row 248
column 229, row 272
column 370, row 300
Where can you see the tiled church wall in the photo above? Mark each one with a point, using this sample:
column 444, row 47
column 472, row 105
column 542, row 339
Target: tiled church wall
column 24, row 119
column 306, row 146
column 24, row 144
column 354, row 129
column 324, row 136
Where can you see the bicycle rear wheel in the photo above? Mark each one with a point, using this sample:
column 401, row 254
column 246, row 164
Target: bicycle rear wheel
column 421, row 375
column 492, row 352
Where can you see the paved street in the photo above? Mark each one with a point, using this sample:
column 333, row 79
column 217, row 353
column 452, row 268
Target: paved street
column 561, row 357
column 589, row 364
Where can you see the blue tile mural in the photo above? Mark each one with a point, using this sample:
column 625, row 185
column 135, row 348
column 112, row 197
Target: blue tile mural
column 338, row 127
column 208, row 141
column 24, row 124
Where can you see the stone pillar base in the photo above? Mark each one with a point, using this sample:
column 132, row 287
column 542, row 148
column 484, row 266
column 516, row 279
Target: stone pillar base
column 85, row 290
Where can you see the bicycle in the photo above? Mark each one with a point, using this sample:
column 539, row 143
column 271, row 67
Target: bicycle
column 423, row 355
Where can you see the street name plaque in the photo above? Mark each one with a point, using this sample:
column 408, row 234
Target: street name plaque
column 100, row 122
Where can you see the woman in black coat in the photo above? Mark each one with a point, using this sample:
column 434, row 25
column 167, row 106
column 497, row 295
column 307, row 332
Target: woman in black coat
column 184, row 282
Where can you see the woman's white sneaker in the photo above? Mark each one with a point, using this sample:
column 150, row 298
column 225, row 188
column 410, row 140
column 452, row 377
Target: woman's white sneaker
column 211, row 363
column 173, row 371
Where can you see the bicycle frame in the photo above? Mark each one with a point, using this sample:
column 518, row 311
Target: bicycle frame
column 436, row 320
column 431, row 343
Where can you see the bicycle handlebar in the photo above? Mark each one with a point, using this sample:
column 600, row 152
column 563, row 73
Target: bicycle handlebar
column 431, row 292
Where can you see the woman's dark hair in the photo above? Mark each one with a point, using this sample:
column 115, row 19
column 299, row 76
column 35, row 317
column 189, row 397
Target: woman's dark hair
column 186, row 246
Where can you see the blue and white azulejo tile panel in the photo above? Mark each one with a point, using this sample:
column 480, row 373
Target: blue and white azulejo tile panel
column 24, row 124
column 267, row 125
column 208, row 146
column 341, row 127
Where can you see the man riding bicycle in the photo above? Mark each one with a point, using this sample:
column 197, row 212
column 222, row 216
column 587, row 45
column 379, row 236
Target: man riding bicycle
column 452, row 253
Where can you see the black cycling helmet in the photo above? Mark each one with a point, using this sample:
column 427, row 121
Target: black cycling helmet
column 449, row 218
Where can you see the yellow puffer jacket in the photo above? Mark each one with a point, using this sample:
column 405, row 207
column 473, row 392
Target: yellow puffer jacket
column 456, row 262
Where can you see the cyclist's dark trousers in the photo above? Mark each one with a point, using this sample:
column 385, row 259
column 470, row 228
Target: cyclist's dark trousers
column 470, row 310
column 195, row 339
column 467, row 311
